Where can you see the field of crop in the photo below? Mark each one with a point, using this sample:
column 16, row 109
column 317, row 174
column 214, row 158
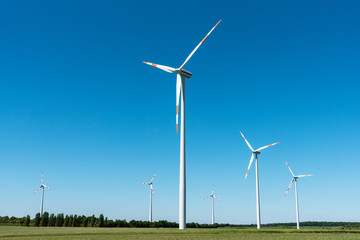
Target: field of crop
column 14, row 232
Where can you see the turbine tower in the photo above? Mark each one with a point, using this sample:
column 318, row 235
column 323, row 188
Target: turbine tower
column 151, row 194
column 294, row 179
column 213, row 211
column 181, row 75
column 43, row 186
column 256, row 153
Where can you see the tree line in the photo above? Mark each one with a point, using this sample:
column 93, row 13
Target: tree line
column 61, row 220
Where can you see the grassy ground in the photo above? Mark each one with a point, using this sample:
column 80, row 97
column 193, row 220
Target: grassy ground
column 14, row 232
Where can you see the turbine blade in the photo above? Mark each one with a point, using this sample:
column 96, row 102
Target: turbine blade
column 213, row 190
column 37, row 190
column 207, row 197
column 309, row 175
column 143, row 183
column 247, row 142
column 259, row 149
column 216, row 198
column 152, row 190
column 178, row 89
column 289, row 169
column 162, row 67
column 292, row 180
column 153, row 177
column 46, row 186
column 251, row 160
column 192, row 53
column 42, row 178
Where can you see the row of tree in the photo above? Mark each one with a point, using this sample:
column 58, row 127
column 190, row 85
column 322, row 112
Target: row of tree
column 61, row 220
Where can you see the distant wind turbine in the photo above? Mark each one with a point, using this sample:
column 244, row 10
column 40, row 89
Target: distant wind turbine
column 256, row 153
column 181, row 74
column 151, row 194
column 294, row 179
column 43, row 186
column 213, row 211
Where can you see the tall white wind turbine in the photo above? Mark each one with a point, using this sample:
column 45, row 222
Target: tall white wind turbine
column 294, row 179
column 213, row 211
column 181, row 74
column 255, row 154
column 43, row 186
column 151, row 195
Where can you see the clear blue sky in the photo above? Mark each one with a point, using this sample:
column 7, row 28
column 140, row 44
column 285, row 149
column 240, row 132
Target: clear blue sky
column 77, row 103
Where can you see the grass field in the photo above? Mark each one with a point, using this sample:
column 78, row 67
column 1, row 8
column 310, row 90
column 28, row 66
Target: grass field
column 14, row 232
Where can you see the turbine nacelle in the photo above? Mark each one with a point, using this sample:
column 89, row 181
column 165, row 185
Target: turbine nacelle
column 183, row 73
column 256, row 152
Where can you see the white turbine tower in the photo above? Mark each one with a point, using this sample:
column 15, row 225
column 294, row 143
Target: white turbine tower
column 213, row 211
column 43, row 186
column 256, row 153
column 181, row 74
column 151, row 194
column 294, row 179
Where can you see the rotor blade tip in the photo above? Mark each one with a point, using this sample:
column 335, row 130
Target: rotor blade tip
column 218, row 22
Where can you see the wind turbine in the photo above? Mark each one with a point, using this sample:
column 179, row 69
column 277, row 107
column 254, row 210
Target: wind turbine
column 294, row 179
column 43, row 186
column 256, row 153
column 181, row 74
column 213, row 211
column 151, row 194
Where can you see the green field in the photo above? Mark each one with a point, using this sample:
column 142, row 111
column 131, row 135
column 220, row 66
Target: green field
column 14, row 232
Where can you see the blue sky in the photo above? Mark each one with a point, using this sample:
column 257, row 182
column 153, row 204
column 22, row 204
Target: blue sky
column 78, row 104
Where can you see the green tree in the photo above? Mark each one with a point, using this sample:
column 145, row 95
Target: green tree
column 20, row 221
column 27, row 221
column 101, row 220
column 59, row 220
column 37, row 220
column 12, row 220
column 5, row 219
column 85, row 221
column 92, row 221
column 71, row 220
column 66, row 221
column 44, row 219
column 75, row 219
column 52, row 220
